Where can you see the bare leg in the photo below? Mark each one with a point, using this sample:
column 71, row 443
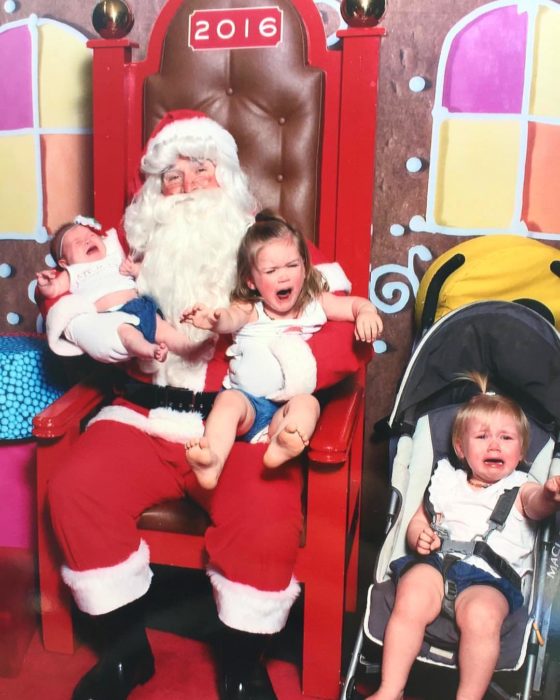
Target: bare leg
column 176, row 341
column 138, row 346
column 417, row 603
column 290, row 429
column 232, row 414
column 480, row 612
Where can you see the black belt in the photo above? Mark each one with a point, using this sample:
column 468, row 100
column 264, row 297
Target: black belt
column 154, row 396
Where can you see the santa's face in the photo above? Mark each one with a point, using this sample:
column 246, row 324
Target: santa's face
column 80, row 244
column 278, row 274
column 187, row 175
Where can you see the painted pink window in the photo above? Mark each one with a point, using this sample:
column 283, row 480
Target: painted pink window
column 494, row 165
column 15, row 83
column 45, row 127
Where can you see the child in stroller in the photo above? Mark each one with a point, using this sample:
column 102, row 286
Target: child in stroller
column 520, row 350
column 490, row 436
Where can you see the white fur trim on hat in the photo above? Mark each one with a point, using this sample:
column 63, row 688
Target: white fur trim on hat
column 197, row 137
column 298, row 364
column 99, row 591
column 249, row 609
column 59, row 316
column 175, row 426
column 335, row 276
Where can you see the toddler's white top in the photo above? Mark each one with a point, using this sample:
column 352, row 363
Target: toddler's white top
column 312, row 319
column 466, row 512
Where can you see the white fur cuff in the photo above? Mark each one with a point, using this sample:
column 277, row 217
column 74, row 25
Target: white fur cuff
column 175, row 426
column 99, row 591
column 249, row 609
column 335, row 276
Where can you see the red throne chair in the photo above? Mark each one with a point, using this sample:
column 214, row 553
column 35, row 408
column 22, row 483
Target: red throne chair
column 304, row 119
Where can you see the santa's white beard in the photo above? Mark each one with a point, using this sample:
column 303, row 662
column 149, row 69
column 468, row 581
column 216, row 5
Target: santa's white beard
column 190, row 257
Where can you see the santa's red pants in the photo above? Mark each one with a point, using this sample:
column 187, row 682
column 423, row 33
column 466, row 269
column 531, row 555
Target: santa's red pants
column 116, row 471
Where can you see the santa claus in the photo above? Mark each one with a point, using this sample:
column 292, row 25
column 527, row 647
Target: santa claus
column 185, row 225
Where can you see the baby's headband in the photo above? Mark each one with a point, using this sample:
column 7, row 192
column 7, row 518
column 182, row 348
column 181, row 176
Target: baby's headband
column 79, row 220
column 88, row 221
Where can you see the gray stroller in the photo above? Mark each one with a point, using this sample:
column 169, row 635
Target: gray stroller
column 520, row 351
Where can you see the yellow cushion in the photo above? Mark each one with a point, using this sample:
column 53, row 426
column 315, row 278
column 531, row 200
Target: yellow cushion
column 497, row 267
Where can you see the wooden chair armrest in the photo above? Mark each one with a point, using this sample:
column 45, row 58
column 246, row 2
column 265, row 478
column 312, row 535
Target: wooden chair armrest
column 70, row 409
column 332, row 439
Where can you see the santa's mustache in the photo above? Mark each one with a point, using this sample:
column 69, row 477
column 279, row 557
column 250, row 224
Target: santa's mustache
column 191, row 204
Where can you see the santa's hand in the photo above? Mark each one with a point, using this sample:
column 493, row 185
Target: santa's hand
column 368, row 325
column 428, row 541
column 278, row 369
column 129, row 268
column 254, row 369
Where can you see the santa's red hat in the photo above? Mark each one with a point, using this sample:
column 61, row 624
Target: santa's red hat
column 191, row 134
column 175, row 116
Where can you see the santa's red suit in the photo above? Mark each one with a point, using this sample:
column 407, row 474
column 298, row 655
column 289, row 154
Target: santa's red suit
column 132, row 454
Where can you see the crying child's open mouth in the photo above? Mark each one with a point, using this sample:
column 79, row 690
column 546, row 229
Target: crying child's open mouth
column 283, row 293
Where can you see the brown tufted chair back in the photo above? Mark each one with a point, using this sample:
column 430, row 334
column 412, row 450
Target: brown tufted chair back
column 267, row 98
column 303, row 117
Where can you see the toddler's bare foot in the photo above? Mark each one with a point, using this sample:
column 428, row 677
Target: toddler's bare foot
column 205, row 464
column 286, row 445
column 160, row 352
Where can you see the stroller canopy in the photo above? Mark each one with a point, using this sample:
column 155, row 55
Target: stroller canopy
column 516, row 347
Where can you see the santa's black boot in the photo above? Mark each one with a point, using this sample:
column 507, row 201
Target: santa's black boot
column 243, row 675
column 126, row 657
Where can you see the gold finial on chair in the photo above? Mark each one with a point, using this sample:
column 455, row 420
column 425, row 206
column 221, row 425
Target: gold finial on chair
column 362, row 13
column 112, row 19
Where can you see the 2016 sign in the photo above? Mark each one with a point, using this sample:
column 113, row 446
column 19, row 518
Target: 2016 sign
column 237, row 28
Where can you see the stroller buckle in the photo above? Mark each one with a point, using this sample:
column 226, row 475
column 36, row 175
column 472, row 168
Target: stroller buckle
column 457, row 547
column 449, row 595
column 441, row 532
column 450, row 589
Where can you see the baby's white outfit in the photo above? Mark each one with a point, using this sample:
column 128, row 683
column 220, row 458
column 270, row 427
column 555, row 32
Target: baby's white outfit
column 74, row 326
column 93, row 280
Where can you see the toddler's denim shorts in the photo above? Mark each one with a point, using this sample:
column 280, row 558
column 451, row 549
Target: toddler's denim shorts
column 264, row 410
column 463, row 575
column 146, row 310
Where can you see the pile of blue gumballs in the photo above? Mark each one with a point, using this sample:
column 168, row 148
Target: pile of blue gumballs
column 31, row 378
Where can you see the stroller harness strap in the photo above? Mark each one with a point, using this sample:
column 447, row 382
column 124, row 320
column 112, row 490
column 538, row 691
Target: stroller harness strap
column 478, row 547
column 482, row 549
column 502, row 508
